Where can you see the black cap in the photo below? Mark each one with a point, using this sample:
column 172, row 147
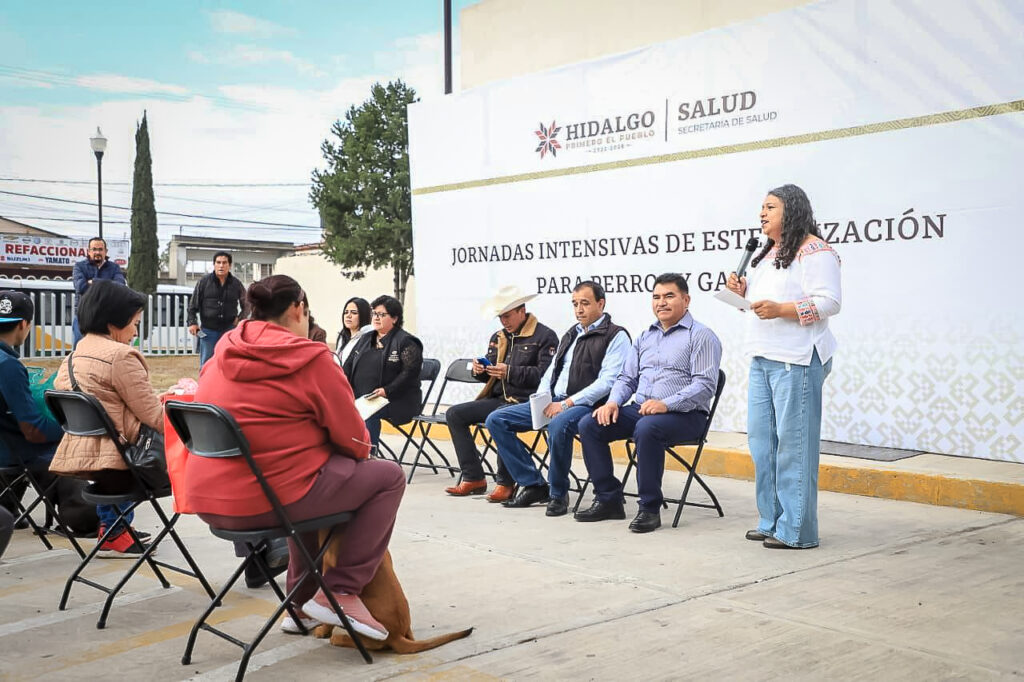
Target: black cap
column 16, row 306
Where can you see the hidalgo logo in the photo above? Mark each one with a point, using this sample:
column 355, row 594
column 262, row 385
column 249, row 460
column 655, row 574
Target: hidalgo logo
column 548, row 143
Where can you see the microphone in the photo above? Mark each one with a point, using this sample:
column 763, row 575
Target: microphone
column 748, row 253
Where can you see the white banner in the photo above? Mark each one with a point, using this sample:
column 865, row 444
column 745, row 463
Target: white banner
column 33, row 250
column 906, row 135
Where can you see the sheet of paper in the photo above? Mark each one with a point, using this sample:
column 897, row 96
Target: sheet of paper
column 733, row 299
column 368, row 406
column 539, row 401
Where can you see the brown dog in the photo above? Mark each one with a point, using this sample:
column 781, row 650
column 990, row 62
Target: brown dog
column 386, row 601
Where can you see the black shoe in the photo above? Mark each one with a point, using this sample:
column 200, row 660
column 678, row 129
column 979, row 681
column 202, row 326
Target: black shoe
column 601, row 511
column 529, row 494
column 775, row 543
column 645, row 522
column 558, row 506
column 755, row 535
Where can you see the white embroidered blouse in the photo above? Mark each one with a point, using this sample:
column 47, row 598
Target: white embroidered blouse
column 812, row 283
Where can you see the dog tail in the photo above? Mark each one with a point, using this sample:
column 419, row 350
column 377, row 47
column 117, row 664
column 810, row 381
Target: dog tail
column 404, row 645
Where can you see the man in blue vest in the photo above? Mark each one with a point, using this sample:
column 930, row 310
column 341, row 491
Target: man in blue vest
column 586, row 363
column 95, row 266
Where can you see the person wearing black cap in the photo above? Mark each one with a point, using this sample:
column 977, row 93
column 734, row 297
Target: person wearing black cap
column 22, row 424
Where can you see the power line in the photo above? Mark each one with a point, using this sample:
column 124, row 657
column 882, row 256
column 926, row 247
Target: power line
column 166, row 226
column 170, row 213
column 162, row 184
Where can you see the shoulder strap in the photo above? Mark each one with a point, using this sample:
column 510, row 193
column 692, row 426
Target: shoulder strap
column 71, row 375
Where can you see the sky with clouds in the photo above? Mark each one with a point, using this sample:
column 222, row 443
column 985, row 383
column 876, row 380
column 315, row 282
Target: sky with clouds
column 236, row 93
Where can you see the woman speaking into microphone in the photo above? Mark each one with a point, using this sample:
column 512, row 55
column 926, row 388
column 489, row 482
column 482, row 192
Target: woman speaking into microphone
column 794, row 286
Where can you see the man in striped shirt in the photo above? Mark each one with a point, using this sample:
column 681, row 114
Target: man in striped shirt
column 671, row 374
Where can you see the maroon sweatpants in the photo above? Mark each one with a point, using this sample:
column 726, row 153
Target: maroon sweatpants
column 372, row 489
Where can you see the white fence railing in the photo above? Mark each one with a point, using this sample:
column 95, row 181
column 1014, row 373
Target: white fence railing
column 163, row 331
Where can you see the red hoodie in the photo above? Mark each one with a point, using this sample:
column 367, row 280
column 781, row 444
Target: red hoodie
column 295, row 407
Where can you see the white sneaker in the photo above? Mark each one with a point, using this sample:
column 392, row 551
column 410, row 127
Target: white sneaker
column 356, row 612
column 292, row 628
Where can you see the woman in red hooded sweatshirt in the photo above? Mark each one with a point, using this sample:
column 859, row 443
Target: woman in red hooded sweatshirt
column 297, row 411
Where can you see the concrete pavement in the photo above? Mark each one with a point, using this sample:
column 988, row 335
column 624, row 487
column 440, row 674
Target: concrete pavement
column 897, row 590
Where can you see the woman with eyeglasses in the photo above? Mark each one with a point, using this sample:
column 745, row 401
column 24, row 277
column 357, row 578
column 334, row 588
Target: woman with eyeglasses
column 387, row 363
column 355, row 321
column 297, row 411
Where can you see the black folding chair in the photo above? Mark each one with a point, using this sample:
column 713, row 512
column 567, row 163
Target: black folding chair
column 428, row 373
column 577, row 485
column 16, row 478
column 459, row 371
column 209, row 431
column 81, row 414
column 691, row 467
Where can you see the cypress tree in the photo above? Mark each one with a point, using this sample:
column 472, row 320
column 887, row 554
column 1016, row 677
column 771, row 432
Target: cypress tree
column 144, row 261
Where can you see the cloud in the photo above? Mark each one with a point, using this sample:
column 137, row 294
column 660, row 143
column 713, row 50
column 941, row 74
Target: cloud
column 226, row 21
column 110, row 82
column 250, row 54
column 18, row 81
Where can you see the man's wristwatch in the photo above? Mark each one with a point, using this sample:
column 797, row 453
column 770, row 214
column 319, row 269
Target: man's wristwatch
column 565, row 405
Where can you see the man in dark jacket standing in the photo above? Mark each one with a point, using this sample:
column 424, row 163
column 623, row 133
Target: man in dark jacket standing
column 518, row 355
column 95, row 266
column 218, row 302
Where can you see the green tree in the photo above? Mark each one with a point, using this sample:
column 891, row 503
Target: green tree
column 363, row 197
column 144, row 261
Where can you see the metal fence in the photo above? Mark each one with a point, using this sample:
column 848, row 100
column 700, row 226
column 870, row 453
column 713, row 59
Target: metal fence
column 163, row 331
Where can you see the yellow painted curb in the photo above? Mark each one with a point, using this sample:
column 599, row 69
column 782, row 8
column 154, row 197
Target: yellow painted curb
column 908, row 486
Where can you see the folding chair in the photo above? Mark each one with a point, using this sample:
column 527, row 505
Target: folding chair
column 428, row 373
column 577, row 485
column 458, row 372
column 209, row 431
column 81, row 414
column 16, row 474
column 691, row 467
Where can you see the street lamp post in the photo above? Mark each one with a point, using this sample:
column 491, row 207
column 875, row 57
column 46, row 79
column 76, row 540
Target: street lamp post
column 99, row 145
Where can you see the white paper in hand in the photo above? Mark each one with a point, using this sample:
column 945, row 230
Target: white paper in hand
column 538, row 402
column 733, row 299
column 368, row 405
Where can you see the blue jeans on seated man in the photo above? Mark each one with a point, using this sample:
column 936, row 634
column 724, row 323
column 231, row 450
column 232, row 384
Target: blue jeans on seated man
column 108, row 514
column 652, row 434
column 503, row 426
column 207, row 343
column 784, row 433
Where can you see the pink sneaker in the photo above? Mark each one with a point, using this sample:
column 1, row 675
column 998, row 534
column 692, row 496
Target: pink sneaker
column 355, row 610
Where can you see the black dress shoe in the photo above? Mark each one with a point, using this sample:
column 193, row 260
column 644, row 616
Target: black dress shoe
column 529, row 494
column 645, row 522
column 558, row 506
column 755, row 535
column 601, row 511
column 774, row 543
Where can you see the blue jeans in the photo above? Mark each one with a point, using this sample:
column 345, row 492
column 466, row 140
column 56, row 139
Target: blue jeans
column 108, row 515
column 652, row 434
column 503, row 426
column 208, row 343
column 784, row 433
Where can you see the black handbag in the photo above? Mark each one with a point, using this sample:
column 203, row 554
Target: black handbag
column 146, row 455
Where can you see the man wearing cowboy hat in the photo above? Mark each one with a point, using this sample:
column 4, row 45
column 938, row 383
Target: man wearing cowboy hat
column 23, row 425
column 518, row 355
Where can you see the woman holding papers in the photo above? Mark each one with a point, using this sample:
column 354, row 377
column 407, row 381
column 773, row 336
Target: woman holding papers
column 386, row 364
column 298, row 413
column 794, row 287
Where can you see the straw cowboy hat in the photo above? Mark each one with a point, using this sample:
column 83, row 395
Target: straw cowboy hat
column 508, row 298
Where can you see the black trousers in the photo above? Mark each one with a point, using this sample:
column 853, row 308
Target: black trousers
column 461, row 419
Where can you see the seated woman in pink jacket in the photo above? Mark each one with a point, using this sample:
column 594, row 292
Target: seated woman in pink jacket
column 297, row 411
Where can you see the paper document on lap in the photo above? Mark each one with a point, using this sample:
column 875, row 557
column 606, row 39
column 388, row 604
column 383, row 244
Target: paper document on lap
column 538, row 402
column 368, row 405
